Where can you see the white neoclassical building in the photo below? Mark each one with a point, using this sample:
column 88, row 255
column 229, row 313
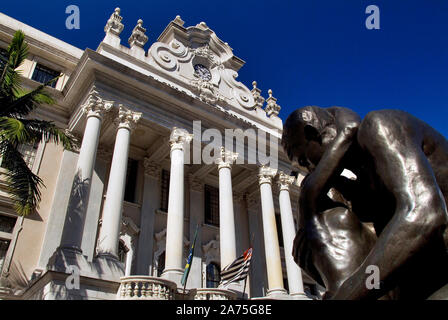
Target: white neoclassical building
column 118, row 215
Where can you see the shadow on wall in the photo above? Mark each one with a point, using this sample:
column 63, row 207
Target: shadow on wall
column 15, row 279
column 76, row 209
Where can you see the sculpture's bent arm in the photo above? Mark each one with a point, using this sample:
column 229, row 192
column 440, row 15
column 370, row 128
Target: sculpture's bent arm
column 346, row 123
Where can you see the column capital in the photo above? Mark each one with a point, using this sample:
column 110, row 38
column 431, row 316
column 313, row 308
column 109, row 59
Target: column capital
column 226, row 159
column 152, row 169
column 178, row 139
column 266, row 174
column 127, row 118
column 96, row 106
column 285, row 181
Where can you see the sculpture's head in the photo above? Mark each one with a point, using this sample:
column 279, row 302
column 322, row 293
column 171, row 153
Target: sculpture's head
column 303, row 136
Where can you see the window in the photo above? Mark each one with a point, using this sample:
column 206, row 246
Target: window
column 43, row 75
column 213, row 275
column 28, row 153
column 131, row 181
column 211, row 197
column 165, row 190
column 4, row 245
column 160, row 264
column 7, row 225
column 122, row 252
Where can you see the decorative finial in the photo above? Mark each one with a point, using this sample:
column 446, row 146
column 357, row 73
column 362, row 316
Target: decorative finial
column 272, row 107
column 179, row 21
column 256, row 93
column 202, row 25
column 138, row 37
column 114, row 24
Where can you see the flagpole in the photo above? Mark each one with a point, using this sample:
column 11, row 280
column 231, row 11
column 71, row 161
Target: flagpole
column 244, row 290
column 245, row 280
column 189, row 261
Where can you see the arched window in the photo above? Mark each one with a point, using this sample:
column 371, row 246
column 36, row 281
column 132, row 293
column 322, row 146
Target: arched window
column 160, row 264
column 122, row 251
column 213, row 276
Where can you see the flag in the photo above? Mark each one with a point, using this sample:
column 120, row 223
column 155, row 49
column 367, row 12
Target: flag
column 189, row 260
column 237, row 270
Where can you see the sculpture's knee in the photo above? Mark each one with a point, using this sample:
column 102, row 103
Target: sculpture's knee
column 370, row 127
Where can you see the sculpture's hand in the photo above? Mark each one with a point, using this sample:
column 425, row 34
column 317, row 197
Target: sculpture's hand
column 336, row 144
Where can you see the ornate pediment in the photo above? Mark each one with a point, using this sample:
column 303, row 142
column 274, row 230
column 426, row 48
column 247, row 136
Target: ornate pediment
column 207, row 64
column 193, row 60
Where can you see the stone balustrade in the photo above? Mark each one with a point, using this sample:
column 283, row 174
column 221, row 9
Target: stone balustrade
column 212, row 294
column 146, row 288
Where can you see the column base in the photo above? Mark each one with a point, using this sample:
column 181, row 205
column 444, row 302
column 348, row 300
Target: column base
column 174, row 275
column 299, row 296
column 65, row 260
column 277, row 293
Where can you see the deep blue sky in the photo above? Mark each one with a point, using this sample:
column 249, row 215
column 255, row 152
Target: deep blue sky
column 314, row 52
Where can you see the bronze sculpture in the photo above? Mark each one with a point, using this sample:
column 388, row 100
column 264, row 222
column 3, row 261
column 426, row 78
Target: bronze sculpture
column 401, row 165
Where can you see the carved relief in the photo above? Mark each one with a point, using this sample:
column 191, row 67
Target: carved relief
column 169, row 56
column 211, row 251
column 239, row 91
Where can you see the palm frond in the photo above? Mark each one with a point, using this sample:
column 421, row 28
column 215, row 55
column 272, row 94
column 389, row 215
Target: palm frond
column 23, row 184
column 25, row 102
column 16, row 54
column 49, row 131
column 17, row 50
column 13, row 130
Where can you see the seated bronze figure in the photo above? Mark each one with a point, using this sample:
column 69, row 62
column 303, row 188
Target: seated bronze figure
column 401, row 165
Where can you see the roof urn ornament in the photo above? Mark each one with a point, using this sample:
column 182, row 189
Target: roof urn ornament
column 138, row 36
column 114, row 24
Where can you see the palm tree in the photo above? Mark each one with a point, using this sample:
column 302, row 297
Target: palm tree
column 18, row 128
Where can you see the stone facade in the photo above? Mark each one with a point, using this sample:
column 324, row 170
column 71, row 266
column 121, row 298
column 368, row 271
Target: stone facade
column 119, row 214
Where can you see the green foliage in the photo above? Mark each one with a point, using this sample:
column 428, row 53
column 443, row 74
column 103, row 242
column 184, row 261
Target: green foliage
column 17, row 128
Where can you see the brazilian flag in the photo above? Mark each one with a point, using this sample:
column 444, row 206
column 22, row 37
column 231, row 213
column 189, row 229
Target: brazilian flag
column 189, row 260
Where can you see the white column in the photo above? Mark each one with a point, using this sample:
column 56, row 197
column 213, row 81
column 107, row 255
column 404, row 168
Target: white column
column 112, row 212
column 95, row 109
column 295, row 281
column 272, row 248
column 174, row 263
column 226, row 213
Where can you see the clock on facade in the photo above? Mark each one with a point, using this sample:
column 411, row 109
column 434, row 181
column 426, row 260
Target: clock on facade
column 202, row 72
